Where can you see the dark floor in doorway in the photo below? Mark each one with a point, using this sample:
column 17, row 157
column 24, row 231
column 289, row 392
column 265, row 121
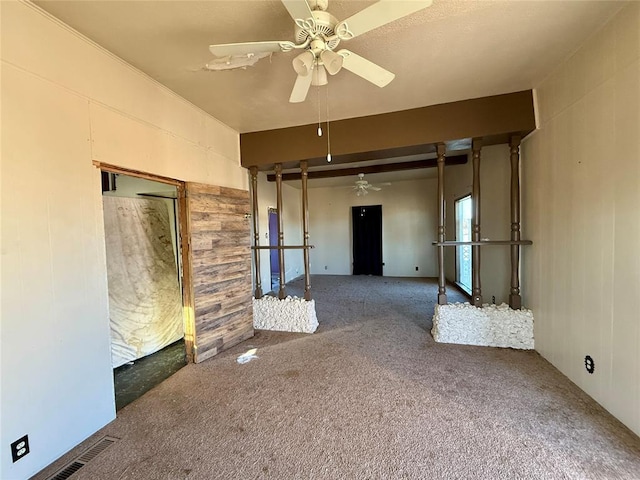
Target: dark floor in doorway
column 133, row 380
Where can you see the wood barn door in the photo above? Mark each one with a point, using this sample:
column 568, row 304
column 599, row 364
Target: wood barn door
column 220, row 264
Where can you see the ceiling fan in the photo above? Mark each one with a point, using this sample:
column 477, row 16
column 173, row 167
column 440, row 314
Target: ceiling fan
column 317, row 35
column 362, row 187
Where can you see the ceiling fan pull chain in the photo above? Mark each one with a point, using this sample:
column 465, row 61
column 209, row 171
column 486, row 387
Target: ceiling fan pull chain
column 318, row 97
column 328, row 130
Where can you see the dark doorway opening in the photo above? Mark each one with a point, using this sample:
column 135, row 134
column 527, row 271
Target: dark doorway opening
column 134, row 379
column 273, row 254
column 367, row 240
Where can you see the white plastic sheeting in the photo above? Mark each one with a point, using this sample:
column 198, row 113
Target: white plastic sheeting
column 491, row 325
column 291, row 314
column 145, row 305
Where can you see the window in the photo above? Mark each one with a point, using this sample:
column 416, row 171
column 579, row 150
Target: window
column 463, row 234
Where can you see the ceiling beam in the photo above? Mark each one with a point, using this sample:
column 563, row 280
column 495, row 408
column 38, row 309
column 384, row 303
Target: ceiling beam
column 389, row 167
column 417, row 130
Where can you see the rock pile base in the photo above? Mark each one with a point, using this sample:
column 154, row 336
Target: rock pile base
column 291, row 314
column 491, row 325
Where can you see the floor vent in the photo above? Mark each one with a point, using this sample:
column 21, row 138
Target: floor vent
column 89, row 454
column 67, row 471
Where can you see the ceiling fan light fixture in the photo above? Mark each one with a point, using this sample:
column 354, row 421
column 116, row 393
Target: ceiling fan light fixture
column 332, row 61
column 319, row 76
column 318, row 33
column 303, row 63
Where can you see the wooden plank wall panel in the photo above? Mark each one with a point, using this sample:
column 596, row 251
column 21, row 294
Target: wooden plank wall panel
column 220, row 238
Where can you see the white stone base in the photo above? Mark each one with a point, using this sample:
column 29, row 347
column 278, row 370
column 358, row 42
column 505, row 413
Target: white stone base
column 490, row 326
column 291, row 314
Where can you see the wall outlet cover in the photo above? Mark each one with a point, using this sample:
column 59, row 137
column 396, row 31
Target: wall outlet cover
column 589, row 364
column 20, row 448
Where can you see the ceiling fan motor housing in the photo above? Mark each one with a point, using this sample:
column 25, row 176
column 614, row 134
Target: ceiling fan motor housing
column 324, row 27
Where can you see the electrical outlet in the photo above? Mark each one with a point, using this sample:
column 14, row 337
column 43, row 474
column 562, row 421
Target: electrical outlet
column 20, row 448
column 589, row 364
column 416, row 269
column 325, row 267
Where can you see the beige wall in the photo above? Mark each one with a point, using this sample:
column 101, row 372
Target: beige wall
column 409, row 223
column 66, row 102
column 581, row 208
column 132, row 120
column 495, row 220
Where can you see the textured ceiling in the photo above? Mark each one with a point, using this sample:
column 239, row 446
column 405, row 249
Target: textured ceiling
column 453, row 50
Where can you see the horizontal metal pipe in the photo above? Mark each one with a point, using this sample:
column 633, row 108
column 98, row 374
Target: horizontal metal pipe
column 452, row 243
column 283, row 247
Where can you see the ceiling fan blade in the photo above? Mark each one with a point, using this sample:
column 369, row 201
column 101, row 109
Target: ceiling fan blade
column 300, row 88
column 245, row 48
column 375, row 189
column 298, row 9
column 378, row 14
column 366, row 69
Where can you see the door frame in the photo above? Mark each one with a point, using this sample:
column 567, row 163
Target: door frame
column 188, row 315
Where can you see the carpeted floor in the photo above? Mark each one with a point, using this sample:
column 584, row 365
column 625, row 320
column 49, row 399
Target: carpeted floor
column 369, row 395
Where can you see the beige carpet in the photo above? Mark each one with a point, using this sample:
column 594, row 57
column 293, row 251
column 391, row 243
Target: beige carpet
column 370, row 395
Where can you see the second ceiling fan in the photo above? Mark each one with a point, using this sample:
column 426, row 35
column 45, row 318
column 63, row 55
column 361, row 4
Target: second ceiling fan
column 362, row 186
column 318, row 34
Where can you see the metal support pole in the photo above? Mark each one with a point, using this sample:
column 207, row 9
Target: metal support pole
column 304, row 166
column 515, row 300
column 256, row 233
column 476, row 289
column 442, row 291
column 281, row 291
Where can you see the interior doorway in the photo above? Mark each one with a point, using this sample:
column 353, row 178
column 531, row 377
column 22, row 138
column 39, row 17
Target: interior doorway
column 274, row 260
column 463, row 213
column 367, row 240
column 145, row 282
